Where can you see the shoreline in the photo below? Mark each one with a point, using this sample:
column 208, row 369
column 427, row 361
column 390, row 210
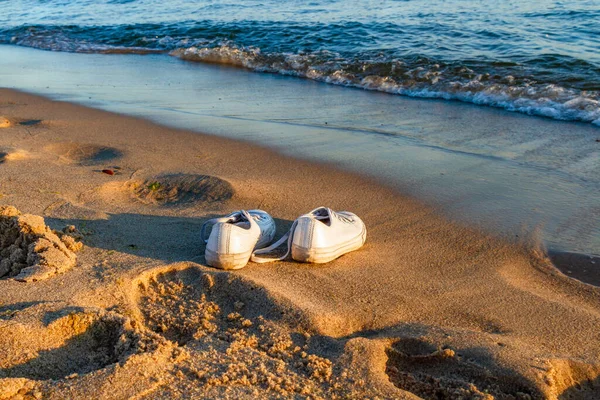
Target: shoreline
column 426, row 306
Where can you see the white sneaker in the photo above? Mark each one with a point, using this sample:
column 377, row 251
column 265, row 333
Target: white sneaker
column 320, row 236
column 233, row 238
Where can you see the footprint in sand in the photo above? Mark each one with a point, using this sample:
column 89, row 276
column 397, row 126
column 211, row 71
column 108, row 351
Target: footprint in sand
column 83, row 154
column 431, row 372
column 180, row 189
column 30, row 122
column 233, row 334
column 172, row 190
column 40, row 341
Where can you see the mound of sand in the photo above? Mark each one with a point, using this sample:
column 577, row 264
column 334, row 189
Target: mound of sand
column 31, row 251
column 84, row 154
column 4, row 122
column 228, row 341
column 13, row 155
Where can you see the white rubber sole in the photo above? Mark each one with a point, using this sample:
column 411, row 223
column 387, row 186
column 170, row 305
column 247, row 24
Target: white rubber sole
column 326, row 254
column 227, row 261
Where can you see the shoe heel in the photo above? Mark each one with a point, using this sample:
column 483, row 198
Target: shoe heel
column 301, row 254
column 227, row 261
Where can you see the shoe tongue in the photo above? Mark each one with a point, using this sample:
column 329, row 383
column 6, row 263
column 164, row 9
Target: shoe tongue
column 238, row 218
column 241, row 220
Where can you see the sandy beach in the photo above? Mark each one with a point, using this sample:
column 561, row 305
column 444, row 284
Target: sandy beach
column 427, row 308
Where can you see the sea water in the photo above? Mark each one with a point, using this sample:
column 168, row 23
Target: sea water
column 535, row 57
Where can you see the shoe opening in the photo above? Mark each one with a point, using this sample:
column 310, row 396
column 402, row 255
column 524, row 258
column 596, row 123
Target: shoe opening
column 322, row 215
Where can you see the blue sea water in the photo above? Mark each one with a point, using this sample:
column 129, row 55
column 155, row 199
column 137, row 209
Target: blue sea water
column 535, row 57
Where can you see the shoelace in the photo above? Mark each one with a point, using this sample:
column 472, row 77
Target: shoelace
column 237, row 216
column 317, row 213
column 343, row 217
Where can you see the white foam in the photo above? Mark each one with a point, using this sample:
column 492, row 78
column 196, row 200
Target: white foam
column 545, row 100
column 57, row 41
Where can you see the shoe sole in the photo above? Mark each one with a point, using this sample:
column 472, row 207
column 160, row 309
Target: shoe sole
column 326, row 254
column 227, row 261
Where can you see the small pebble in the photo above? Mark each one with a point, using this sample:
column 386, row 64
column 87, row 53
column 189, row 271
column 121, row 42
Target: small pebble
column 108, row 171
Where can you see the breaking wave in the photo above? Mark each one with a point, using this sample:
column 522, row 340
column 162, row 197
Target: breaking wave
column 421, row 78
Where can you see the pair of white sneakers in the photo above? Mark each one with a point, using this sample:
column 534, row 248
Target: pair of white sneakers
column 320, row 236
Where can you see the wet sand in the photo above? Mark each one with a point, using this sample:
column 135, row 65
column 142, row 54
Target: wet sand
column 426, row 308
column 579, row 266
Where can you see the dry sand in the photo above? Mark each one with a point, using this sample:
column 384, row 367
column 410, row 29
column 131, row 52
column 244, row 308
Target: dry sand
column 426, row 308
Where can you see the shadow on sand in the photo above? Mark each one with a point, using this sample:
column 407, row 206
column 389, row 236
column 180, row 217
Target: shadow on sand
column 163, row 238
